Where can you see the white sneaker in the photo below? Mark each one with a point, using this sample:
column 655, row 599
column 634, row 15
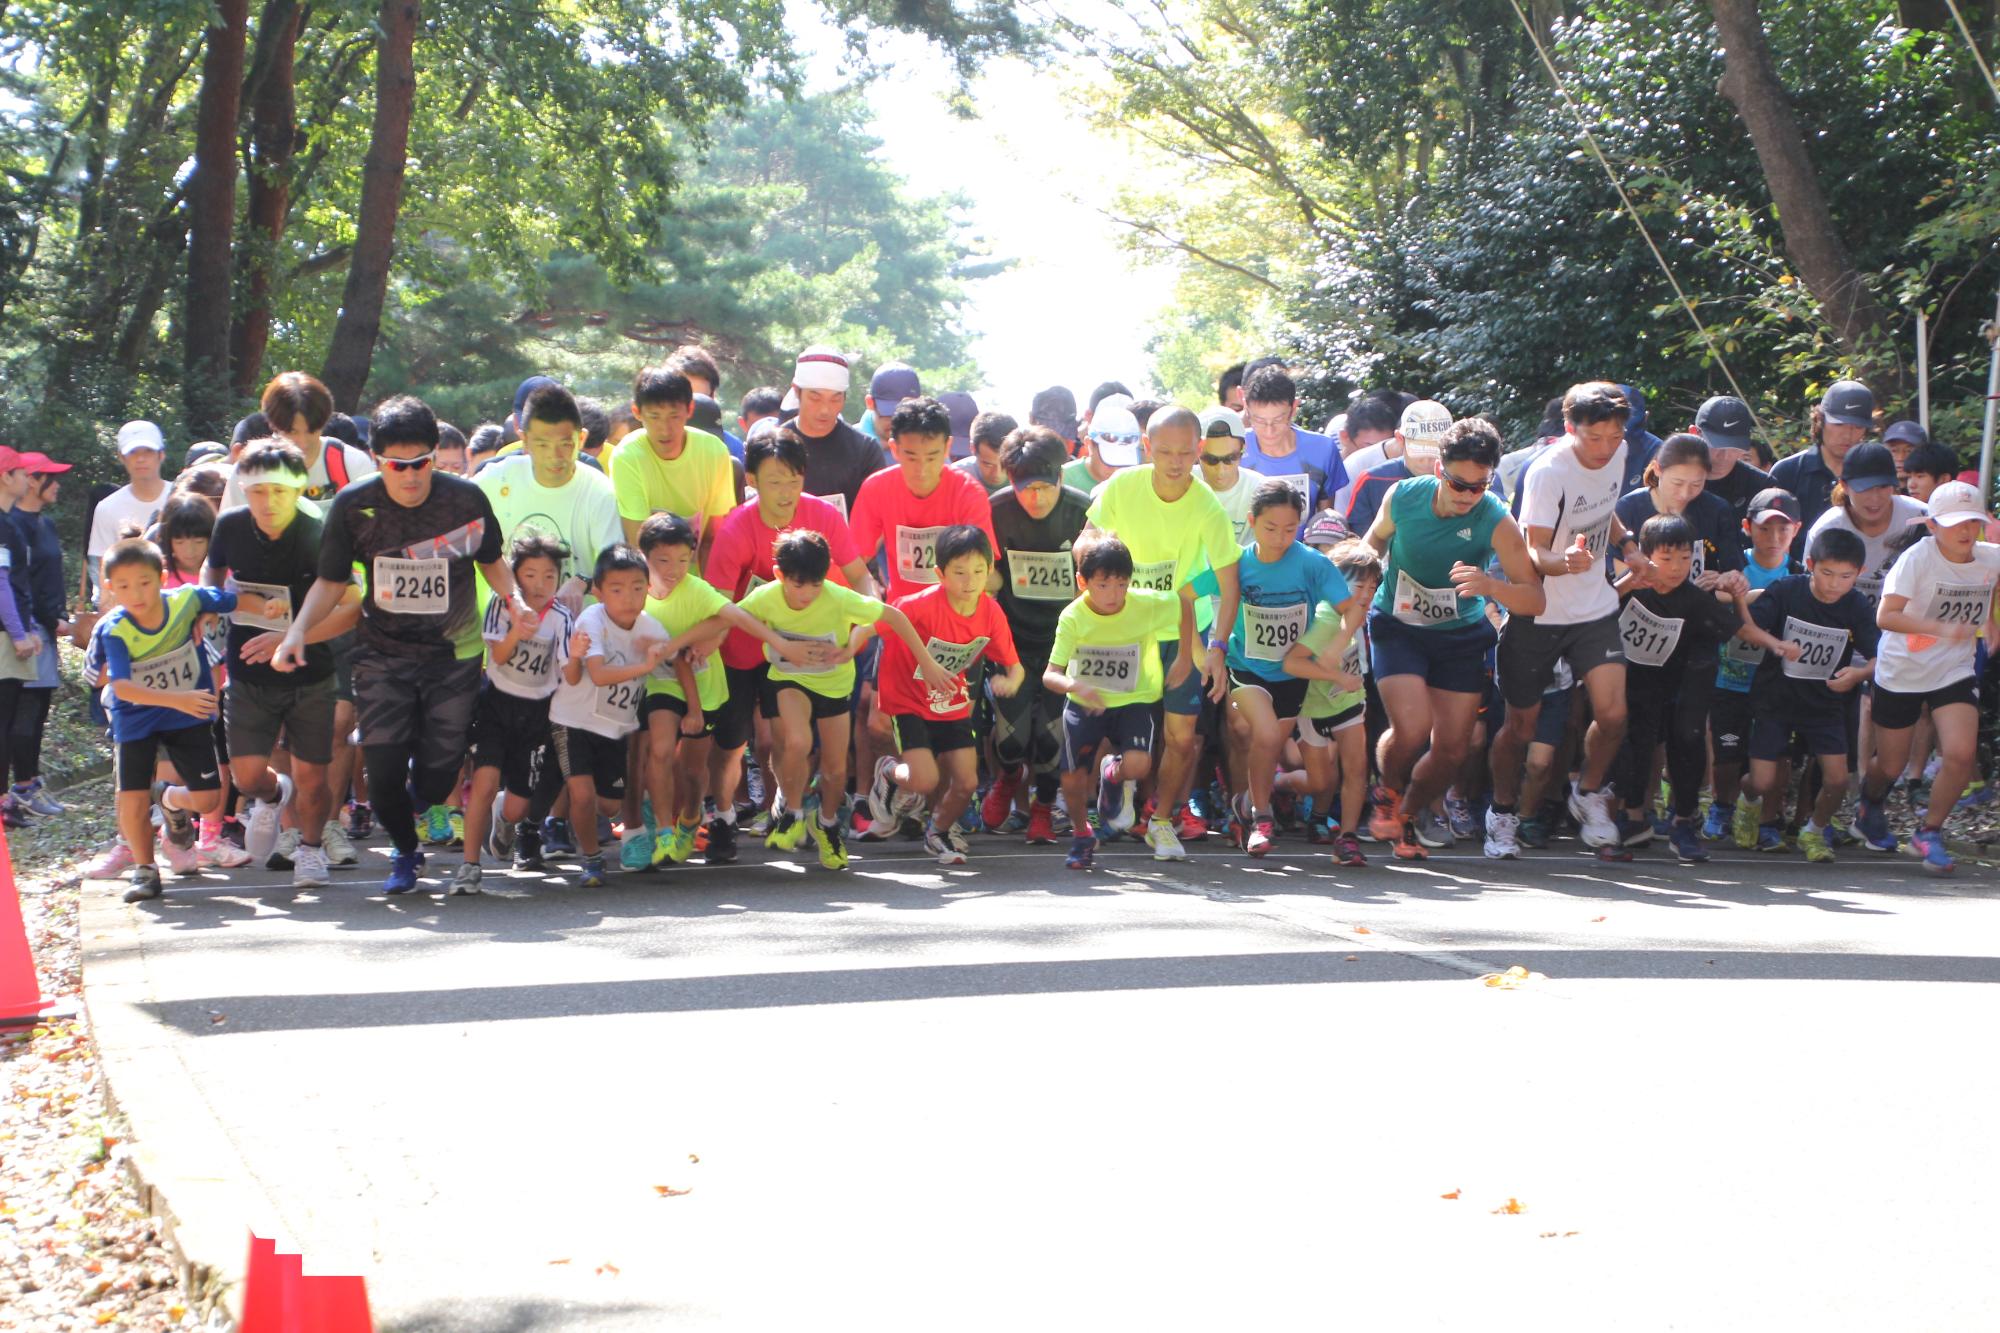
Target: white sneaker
column 180, row 860
column 260, row 834
column 309, row 867
column 946, row 854
column 339, row 849
column 1592, row 809
column 1160, row 837
column 282, row 854
column 1502, row 843
column 881, row 795
column 220, row 854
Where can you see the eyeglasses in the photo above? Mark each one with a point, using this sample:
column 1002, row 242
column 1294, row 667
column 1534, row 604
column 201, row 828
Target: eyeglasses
column 1278, row 422
column 1222, row 460
column 417, row 464
column 1466, row 487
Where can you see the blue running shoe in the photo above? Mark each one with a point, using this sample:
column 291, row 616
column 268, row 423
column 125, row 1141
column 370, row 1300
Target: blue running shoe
column 1082, row 853
column 1839, row 835
column 403, row 868
column 437, row 826
column 1770, row 838
column 1929, row 844
column 556, row 839
column 1686, row 845
column 1978, row 794
column 1716, row 827
column 1872, row 822
column 591, row 876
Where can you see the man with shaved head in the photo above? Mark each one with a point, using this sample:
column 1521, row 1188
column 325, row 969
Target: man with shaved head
column 1175, row 529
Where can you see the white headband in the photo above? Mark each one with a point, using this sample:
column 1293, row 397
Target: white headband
column 821, row 369
column 273, row 476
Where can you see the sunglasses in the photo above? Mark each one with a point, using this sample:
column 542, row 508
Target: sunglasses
column 417, row 464
column 1222, row 460
column 1114, row 437
column 1465, row 487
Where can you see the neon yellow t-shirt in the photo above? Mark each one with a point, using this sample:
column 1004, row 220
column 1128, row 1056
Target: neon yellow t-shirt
column 700, row 485
column 1320, row 699
column 1118, row 655
column 693, row 600
column 1170, row 542
column 830, row 618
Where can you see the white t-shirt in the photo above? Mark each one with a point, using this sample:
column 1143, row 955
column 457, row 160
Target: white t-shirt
column 320, row 489
column 1236, row 500
column 1880, row 553
column 117, row 509
column 533, row 669
column 1560, row 493
column 582, row 513
column 1937, row 590
column 1358, row 465
column 608, row 710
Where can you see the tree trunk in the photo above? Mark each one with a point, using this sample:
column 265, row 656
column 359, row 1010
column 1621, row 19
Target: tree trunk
column 1750, row 82
column 212, row 222
column 274, row 136
column 360, row 321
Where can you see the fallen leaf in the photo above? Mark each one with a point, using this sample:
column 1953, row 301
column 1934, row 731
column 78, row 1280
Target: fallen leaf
column 693, row 1158
column 554, row 1262
column 612, row 1269
column 1453, row 1195
column 1352, row 958
column 1597, row 918
column 1512, row 1207
column 1513, row 978
column 1363, row 930
column 669, row 1192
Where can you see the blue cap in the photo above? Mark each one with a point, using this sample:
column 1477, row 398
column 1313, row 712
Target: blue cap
column 891, row 385
column 528, row 386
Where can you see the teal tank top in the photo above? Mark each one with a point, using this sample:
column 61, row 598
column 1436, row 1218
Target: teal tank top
column 1416, row 582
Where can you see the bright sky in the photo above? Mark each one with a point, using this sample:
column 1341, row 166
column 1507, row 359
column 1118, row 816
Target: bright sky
column 1072, row 310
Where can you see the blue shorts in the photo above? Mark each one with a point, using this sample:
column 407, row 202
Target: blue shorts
column 1127, row 727
column 1823, row 733
column 1447, row 659
column 1554, row 717
column 1184, row 698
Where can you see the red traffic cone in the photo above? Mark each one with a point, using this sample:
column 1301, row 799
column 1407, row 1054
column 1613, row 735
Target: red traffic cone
column 279, row 1298
column 21, row 1001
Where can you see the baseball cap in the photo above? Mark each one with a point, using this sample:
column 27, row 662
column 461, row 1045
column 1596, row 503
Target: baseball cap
column 1326, row 528
column 707, row 414
column 1906, row 432
column 1848, row 403
column 1221, row 423
column 1424, row 419
column 140, row 435
column 963, row 409
column 1115, row 432
column 1724, row 422
column 1774, row 502
column 819, row 367
column 1868, row 466
column 528, row 386
column 1055, row 409
column 42, row 464
column 202, row 450
column 1956, row 502
column 9, row 460
column 891, row 385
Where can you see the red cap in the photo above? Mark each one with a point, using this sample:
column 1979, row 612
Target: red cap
column 9, row 460
column 40, row 464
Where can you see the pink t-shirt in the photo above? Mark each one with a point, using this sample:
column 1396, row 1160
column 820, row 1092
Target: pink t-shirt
column 741, row 557
column 886, row 514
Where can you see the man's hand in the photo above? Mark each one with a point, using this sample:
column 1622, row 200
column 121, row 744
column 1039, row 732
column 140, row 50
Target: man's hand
column 524, row 615
column 291, row 651
column 1471, row 581
column 262, row 647
column 1577, row 558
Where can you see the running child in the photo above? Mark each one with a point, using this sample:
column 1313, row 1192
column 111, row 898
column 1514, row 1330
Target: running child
column 1332, row 738
column 1771, row 522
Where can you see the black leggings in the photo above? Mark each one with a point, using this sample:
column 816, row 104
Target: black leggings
column 31, row 719
column 10, row 700
column 393, row 783
column 1670, row 703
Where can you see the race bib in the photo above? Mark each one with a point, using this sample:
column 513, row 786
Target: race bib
column 266, row 606
column 1960, row 603
column 837, row 501
column 916, row 554
column 1870, row 586
column 619, row 704
column 177, row 670
column 1649, row 639
column 792, row 669
column 411, row 587
column 1354, row 661
column 1743, row 654
column 531, row 666
column 1421, row 606
column 1042, row 576
column 1822, row 646
column 1270, row 631
column 1595, row 539
column 1300, row 482
column 954, row 657
column 1114, row 670
column 1157, row 575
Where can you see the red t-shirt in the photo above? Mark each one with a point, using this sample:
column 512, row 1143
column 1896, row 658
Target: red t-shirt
column 741, row 554
column 952, row 639
column 885, row 513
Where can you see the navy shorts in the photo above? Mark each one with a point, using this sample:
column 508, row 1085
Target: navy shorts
column 1823, row 733
column 1447, row 659
column 1127, row 727
column 1185, row 698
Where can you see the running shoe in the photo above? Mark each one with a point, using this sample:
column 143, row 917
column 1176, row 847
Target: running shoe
column 144, row 883
column 1976, row 795
column 1116, row 808
column 528, row 847
column 1716, row 827
column 1321, row 832
column 111, row 863
column 1189, row 826
column 721, row 841
column 1502, row 835
column 1160, row 837
column 1686, row 844
column 465, row 879
column 212, row 853
column 1929, row 844
column 591, row 875
column 787, row 832
column 1458, row 814
column 437, row 826
column 1744, row 823
column 556, row 839
column 753, row 778
column 832, row 850
column 456, row 817
column 1872, row 822
column 499, row 833
column 882, row 794
column 1614, row 852
column 999, row 801
column 1769, row 838
column 1082, row 853
column 1433, row 832
column 403, row 868
column 1041, row 824
column 360, row 819
column 936, row 845
column 36, row 799
column 179, row 824
column 339, row 851
column 639, row 849
column 1635, row 832
column 281, row 855
column 1260, row 839
column 1838, row 835
column 1406, row 845
column 309, row 868
column 1535, row 832
column 180, row 860
column 1385, row 819
column 1592, row 810
column 1347, row 851
column 680, row 842
column 1812, row 842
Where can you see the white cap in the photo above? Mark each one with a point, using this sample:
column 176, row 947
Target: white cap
column 1956, row 502
column 1115, row 432
column 822, row 367
column 140, row 435
column 1424, row 419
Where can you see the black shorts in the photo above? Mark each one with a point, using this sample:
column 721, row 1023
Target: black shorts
column 1896, row 710
column 1529, row 651
column 935, row 734
column 424, row 705
column 343, row 667
column 1287, row 696
column 191, row 750
column 581, row 753
column 259, row 715
column 1127, row 727
column 673, row 703
column 823, row 707
column 1729, row 725
column 1823, row 733
column 1320, row 731
column 512, row 734
column 735, row 721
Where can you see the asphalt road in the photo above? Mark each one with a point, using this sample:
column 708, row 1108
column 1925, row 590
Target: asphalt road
column 1276, row 1095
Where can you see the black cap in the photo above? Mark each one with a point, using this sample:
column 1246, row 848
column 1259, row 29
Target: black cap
column 1724, row 422
column 1773, row 500
column 1055, row 408
column 1906, row 432
column 707, row 414
column 1867, row 466
column 1848, row 403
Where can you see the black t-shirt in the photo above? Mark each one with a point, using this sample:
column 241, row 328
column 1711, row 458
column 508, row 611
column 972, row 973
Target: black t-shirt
column 1033, row 618
column 271, row 578
column 1719, row 536
column 47, row 587
column 1704, row 624
column 840, row 460
column 428, row 609
column 1791, row 599
column 1739, row 488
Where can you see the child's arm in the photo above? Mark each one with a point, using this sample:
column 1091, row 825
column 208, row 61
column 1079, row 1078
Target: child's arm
column 579, row 651
column 935, row 676
column 1893, row 614
column 1086, row 696
column 691, row 721
column 1011, row 679
column 657, row 651
column 195, row 703
column 1850, row 676
column 796, row 651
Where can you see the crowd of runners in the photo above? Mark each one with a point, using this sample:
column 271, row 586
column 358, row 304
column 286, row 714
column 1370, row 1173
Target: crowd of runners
column 621, row 638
